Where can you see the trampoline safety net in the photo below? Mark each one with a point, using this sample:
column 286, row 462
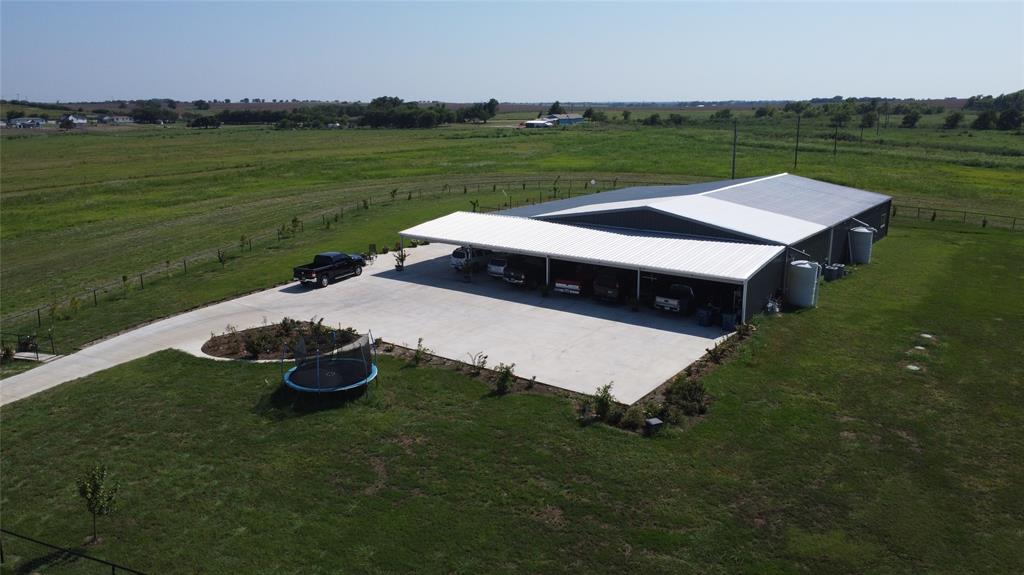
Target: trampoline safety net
column 342, row 368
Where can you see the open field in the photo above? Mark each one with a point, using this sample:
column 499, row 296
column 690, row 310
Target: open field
column 84, row 209
column 820, row 453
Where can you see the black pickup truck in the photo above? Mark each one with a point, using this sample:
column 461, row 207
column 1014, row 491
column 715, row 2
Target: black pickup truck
column 327, row 267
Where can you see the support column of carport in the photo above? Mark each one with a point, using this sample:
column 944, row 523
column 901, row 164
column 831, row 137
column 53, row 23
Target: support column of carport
column 743, row 306
column 547, row 271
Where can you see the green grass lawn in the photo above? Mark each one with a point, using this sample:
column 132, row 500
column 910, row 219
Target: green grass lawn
column 821, row 452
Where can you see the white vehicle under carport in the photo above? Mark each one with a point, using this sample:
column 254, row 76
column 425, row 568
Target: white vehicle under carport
column 678, row 298
column 469, row 258
column 496, row 266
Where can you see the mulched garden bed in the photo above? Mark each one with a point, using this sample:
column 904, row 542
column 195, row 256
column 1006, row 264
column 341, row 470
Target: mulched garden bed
column 269, row 341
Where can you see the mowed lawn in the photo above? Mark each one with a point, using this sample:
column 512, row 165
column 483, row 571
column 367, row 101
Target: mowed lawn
column 821, row 452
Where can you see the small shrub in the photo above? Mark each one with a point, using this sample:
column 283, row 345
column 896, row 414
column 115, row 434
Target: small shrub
column 504, row 379
column 716, row 354
column 287, row 325
column 7, row 356
column 584, row 410
column 615, row 414
column 634, row 418
column 603, row 401
column 477, row 362
column 421, row 352
column 254, row 343
column 366, row 204
column 687, row 395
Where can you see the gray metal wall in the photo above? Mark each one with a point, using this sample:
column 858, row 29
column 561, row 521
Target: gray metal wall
column 763, row 285
column 877, row 217
column 816, row 246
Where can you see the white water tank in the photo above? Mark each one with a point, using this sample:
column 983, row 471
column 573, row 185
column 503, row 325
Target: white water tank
column 861, row 240
column 803, row 283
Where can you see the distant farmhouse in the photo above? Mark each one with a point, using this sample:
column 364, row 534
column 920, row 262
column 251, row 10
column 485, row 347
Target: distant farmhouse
column 76, row 120
column 117, row 120
column 28, row 122
column 552, row 120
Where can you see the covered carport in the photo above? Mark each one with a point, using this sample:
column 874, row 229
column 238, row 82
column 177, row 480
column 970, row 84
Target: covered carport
column 755, row 268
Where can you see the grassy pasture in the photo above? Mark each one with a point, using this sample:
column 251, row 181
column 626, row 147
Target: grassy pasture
column 83, row 209
column 821, row 453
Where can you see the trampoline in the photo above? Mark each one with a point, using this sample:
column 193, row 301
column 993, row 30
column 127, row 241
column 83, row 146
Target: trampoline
column 344, row 368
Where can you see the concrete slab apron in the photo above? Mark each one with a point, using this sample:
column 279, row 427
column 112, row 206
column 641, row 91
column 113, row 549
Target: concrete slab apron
column 571, row 343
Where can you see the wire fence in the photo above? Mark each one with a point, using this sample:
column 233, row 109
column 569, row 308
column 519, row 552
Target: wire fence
column 23, row 554
column 516, row 192
column 934, row 214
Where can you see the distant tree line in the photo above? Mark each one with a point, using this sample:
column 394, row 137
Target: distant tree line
column 154, row 112
column 1003, row 112
column 40, row 105
column 382, row 112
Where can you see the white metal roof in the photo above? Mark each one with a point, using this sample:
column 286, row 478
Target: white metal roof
column 719, row 261
column 782, row 208
column 812, row 200
column 704, row 208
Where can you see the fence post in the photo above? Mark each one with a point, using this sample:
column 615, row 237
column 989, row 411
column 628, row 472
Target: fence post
column 918, row 213
column 184, row 263
column 965, row 216
column 39, row 318
column 142, row 283
column 1013, row 226
column 95, row 302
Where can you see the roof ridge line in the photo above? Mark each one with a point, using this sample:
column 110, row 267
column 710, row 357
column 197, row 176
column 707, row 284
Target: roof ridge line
column 741, row 184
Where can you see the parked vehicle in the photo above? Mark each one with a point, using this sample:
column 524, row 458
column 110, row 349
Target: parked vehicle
column 524, row 273
column 327, row 267
column 579, row 282
column 608, row 286
column 677, row 298
column 496, row 267
column 469, row 258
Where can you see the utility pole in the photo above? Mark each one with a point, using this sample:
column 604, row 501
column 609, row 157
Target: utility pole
column 796, row 151
column 733, row 149
column 835, row 141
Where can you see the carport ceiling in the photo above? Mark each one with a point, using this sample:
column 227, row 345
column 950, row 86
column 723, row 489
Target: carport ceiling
column 716, row 261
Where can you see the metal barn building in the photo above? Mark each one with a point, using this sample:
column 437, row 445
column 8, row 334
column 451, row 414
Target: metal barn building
column 730, row 240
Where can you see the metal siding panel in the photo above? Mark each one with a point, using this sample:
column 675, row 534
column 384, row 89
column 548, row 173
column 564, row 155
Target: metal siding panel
column 763, row 285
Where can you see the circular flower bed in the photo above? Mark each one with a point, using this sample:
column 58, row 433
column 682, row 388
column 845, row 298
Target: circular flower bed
column 276, row 340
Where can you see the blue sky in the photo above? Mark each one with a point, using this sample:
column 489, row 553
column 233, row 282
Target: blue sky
column 528, row 51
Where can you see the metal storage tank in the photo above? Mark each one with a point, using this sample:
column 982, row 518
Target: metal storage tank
column 803, row 283
column 861, row 240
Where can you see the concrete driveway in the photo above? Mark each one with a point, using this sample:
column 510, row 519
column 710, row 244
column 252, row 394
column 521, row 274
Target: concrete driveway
column 571, row 343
